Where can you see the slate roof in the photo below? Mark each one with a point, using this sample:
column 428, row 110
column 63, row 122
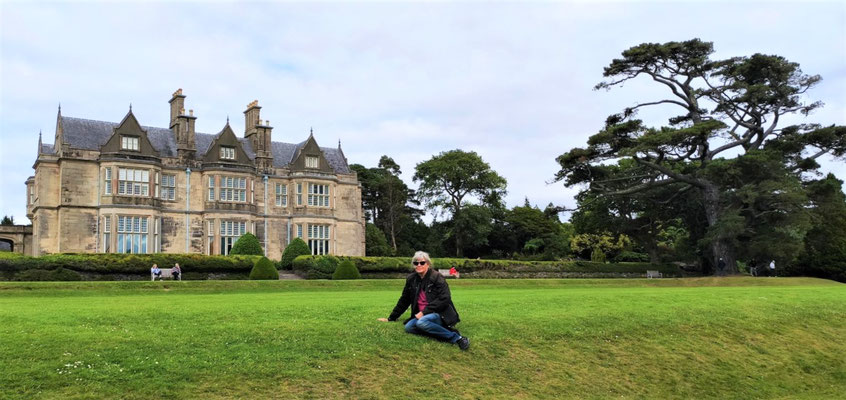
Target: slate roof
column 91, row 135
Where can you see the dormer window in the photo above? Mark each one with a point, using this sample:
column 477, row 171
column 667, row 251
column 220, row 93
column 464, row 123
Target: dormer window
column 129, row 143
column 312, row 162
column 227, row 153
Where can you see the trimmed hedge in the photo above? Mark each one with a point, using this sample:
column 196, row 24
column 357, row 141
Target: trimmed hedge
column 346, row 270
column 322, row 267
column 296, row 248
column 94, row 266
column 247, row 244
column 264, row 270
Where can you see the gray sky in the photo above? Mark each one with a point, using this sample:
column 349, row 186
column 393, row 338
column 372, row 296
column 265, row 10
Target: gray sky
column 510, row 81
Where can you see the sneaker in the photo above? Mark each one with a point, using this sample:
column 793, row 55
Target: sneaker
column 463, row 343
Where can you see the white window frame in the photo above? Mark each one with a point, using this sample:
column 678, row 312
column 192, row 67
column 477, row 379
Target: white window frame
column 281, row 195
column 318, row 195
column 230, row 231
column 312, row 162
column 133, row 182
column 130, row 143
column 107, row 234
column 210, row 244
column 168, row 187
column 233, row 189
column 318, row 238
column 227, row 152
column 108, row 180
column 299, row 193
column 132, row 231
column 211, row 188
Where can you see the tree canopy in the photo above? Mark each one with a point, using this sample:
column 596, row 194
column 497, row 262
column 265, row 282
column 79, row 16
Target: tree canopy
column 449, row 180
column 727, row 120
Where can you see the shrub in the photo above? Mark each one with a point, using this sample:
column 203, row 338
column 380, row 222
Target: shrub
column 264, row 269
column 597, row 255
column 59, row 274
column 322, row 267
column 631, row 256
column 296, row 248
column 247, row 244
column 132, row 264
column 346, row 270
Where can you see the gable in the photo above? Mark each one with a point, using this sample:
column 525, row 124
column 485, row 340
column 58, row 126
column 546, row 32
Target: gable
column 227, row 139
column 129, row 128
column 307, row 150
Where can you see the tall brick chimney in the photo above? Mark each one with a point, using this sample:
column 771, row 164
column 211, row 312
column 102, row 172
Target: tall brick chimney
column 259, row 134
column 177, row 105
column 182, row 126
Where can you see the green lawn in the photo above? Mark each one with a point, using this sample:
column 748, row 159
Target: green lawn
column 672, row 338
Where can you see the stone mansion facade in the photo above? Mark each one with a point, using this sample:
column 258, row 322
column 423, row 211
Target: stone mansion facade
column 126, row 188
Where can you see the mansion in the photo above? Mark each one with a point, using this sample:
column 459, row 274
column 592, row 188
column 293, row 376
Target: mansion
column 126, row 188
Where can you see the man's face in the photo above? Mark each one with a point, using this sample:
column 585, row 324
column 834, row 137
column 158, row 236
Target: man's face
column 421, row 266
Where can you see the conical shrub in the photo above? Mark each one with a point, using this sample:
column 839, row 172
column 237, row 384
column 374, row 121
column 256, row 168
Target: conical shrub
column 247, row 244
column 346, row 270
column 296, row 248
column 264, row 270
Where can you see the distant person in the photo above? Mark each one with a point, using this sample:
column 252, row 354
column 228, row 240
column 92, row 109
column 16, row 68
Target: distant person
column 157, row 273
column 721, row 267
column 753, row 268
column 772, row 268
column 176, row 271
column 432, row 311
column 453, row 272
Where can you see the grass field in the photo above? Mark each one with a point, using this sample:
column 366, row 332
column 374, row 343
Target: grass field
column 673, row 338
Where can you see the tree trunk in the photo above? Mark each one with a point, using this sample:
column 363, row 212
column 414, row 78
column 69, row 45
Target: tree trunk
column 393, row 236
column 459, row 252
column 721, row 247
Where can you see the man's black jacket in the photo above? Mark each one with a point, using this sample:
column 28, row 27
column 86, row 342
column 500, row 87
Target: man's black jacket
column 437, row 294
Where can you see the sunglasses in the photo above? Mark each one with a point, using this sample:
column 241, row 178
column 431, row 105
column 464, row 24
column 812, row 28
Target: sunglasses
column 416, row 263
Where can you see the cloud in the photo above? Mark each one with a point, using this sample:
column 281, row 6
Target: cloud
column 512, row 81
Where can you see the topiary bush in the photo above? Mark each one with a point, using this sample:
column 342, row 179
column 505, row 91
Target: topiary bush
column 264, row 269
column 346, row 270
column 247, row 244
column 296, row 248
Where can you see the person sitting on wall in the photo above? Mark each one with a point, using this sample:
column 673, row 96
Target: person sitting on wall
column 432, row 311
column 453, row 272
column 157, row 273
column 176, row 271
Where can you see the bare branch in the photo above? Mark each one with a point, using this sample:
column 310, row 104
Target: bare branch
column 658, row 102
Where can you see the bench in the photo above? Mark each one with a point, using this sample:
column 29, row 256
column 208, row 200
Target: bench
column 653, row 274
column 166, row 273
column 445, row 273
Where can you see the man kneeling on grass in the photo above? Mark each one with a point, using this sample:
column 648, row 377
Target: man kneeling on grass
column 432, row 311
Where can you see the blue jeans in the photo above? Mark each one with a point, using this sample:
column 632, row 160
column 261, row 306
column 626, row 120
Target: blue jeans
column 430, row 325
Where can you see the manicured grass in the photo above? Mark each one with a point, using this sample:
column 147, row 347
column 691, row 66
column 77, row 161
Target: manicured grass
column 672, row 338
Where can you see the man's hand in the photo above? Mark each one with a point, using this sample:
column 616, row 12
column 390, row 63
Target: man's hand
column 419, row 315
column 383, row 319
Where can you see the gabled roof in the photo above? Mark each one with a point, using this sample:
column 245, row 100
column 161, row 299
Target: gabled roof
column 91, row 135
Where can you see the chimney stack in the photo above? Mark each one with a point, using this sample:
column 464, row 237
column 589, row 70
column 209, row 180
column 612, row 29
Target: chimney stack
column 182, row 126
column 259, row 134
column 177, row 104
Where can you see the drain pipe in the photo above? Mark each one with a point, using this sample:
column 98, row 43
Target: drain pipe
column 187, row 207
